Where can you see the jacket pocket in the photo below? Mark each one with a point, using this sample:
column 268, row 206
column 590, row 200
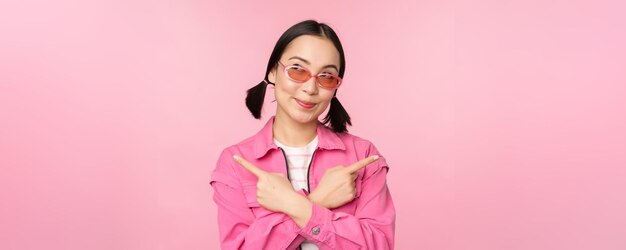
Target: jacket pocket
column 358, row 186
column 250, row 194
column 256, row 208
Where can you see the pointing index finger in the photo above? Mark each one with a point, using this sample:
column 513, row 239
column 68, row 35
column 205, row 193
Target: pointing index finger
column 249, row 166
column 362, row 163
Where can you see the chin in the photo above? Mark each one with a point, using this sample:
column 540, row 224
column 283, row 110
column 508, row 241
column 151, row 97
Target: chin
column 302, row 117
column 290, row 108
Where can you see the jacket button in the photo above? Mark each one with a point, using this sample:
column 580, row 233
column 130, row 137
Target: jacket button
column 316, row 230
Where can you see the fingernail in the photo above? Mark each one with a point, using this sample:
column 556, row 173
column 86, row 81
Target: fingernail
column 236, row 157
column 376, row 157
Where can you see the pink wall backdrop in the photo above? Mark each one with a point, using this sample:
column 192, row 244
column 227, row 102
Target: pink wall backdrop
column 503, row 121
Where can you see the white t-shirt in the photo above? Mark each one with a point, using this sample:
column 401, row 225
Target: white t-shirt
column 298, row 161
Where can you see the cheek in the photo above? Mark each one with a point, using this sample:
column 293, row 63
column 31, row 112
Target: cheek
column 326, row 101
column 284, row 86
column 323, row 106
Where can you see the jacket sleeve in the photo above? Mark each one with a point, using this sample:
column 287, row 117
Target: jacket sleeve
column 371, row 227
column 238, row 226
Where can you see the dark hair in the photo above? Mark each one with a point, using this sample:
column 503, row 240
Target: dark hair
column 337, row 115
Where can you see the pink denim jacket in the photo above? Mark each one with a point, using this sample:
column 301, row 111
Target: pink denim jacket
column 367, row 222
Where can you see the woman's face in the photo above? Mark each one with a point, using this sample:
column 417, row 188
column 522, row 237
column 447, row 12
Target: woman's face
column 305, row 102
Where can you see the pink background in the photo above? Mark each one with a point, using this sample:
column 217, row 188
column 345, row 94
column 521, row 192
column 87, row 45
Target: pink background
column 503, row 122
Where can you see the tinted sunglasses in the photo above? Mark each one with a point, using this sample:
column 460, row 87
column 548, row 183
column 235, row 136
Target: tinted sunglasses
column 299, row 74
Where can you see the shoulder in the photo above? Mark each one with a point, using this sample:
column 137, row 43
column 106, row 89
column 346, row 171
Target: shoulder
column 364, row 148
column 359, row 144
column 225, row 167
column 245, row 145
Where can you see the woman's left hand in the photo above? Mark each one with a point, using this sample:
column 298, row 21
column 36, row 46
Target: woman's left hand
column 275, row 192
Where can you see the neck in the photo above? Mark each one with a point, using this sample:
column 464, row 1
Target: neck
column 292, row 133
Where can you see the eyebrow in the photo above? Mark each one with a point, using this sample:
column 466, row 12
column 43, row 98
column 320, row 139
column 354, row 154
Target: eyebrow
column 309, row 63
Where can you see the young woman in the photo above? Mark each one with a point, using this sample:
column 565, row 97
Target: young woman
column 299, row 182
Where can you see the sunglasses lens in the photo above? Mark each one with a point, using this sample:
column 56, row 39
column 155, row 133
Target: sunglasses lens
column 328, row 81
column 298, row 74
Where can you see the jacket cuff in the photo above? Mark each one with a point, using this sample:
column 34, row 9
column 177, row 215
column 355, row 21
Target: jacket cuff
column 317, row 229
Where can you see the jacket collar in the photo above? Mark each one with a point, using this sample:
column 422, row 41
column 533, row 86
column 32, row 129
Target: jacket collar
column 264, row 139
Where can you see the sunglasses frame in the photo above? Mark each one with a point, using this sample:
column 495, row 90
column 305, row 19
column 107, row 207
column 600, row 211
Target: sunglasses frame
column 286, row 68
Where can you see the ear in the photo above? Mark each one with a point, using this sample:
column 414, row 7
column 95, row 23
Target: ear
column 271, row 76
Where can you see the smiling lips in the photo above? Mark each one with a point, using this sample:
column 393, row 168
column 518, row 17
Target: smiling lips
column 305, row 105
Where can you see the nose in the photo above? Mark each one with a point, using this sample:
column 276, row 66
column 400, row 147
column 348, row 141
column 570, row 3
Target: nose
column 310, row 86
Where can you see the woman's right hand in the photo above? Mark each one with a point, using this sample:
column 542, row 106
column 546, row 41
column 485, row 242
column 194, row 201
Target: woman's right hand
column 337, row 186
